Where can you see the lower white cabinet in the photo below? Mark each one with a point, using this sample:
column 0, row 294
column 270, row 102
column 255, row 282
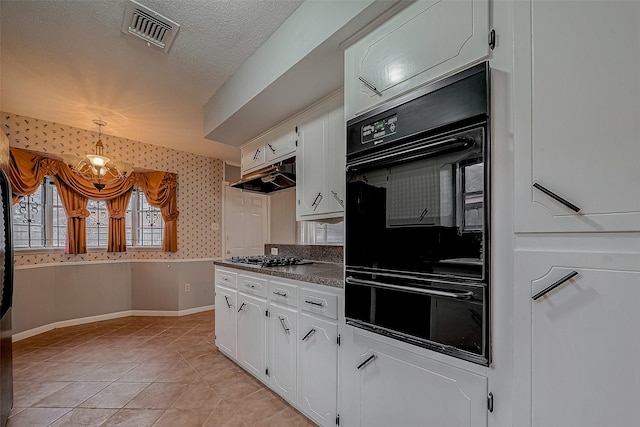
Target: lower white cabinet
column 318, row 368
column 578, row 354
column 252, row 336
column 285, row 333
column 385, row 385
column 281, row 362
column 225, row 318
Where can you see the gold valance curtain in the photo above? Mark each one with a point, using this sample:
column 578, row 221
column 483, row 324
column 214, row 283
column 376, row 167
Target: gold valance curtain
column 27, row 169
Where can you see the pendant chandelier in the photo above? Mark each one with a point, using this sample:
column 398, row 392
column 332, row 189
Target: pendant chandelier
column 97, row 168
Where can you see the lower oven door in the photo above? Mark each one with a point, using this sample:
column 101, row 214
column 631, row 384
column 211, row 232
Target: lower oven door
column 450, row 318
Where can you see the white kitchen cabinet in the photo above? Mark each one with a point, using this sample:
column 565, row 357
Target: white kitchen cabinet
column 271, row 314
column 423, row 42
column 225, row 318
column 577, row 104
column 225, row 314
column 577, row 352
column 275, row 145
column 320, row 161
column 318, row 368
column 252, row 334
column 283, row 330
column 390, row 386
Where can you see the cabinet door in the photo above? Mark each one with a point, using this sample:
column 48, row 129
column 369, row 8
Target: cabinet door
column 396, row 387
column 253, row 156
column 584, row 367
column 336, row 164
column 425, row 41
column 577, row 103
column 281, row 143
column 313, row 131
column 283, row 330
column 321, row 158
column 318, row 369
column 225, row 318
column 252, row 334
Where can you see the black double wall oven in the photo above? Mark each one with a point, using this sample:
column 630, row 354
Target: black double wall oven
column 417, row 218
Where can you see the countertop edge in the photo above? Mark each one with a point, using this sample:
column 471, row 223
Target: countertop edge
column 319, row 272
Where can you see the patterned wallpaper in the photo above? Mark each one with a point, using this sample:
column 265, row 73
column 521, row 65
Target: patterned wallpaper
column 199, row 185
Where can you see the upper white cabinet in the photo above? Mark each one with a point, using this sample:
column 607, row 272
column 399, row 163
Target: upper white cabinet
column 577, row 357
column 277, row 144
column 425, row 41
column 320, row 161
column 577, row 111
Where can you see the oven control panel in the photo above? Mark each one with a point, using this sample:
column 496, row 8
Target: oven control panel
column 375, row 132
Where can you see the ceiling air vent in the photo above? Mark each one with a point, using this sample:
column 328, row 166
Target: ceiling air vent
column 150, row 26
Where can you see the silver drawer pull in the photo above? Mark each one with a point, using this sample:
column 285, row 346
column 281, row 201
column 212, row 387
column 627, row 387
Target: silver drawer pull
column 556, row 197
column 366, row 362
column 246, row 285
column 311, row 332
column 335, row 196
column 281, row 294
column 369, row 85
column 317, row 304
column 555, row 285
column 284, row 325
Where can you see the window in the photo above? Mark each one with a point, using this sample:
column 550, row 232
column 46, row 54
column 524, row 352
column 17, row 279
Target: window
column 145, row 219
column 39, row 221
column 321, row 233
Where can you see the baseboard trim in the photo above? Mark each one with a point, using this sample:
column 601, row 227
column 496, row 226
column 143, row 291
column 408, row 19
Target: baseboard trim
column 83, row 320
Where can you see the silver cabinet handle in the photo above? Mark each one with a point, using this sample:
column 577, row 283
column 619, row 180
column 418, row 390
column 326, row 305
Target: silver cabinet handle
column 369, row 85
column 318, row 304
column 226, row 298
column 255, row 156
column 555, row 285
column 311, row 332
column 284, row 325
column 241, row 307
column 366, row 362
column 272, row 149
column 316, row 201
column 247, row 285
column 556, row 197
column 335, row 196
column 281, row 294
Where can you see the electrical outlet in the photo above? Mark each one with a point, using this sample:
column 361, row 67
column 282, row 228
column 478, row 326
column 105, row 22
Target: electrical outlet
column 274, row 251
column 187, row 287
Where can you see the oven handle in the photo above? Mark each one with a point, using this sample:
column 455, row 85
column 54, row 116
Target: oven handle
column 455, row 144
column 433, row 292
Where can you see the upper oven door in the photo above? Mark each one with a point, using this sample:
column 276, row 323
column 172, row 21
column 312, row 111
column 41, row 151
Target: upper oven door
column 420, row 208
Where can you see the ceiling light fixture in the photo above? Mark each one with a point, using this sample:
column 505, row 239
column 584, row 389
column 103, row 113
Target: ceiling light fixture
column 97, row 168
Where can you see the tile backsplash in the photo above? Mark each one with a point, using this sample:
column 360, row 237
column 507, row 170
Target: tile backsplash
column 324, row 253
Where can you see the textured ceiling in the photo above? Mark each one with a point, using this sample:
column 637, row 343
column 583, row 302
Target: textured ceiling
column 67, row 61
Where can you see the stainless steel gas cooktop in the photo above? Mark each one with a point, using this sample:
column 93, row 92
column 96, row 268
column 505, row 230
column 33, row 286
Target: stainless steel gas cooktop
column 268, row 260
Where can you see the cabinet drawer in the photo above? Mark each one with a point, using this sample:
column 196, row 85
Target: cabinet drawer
column 226, row 278
column 320, row 303
column 283, row 293
column 252, row 285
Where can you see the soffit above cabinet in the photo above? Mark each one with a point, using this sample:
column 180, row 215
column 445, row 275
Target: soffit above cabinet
column 300, row 64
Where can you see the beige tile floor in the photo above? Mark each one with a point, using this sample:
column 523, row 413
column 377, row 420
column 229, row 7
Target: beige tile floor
column 139, row 371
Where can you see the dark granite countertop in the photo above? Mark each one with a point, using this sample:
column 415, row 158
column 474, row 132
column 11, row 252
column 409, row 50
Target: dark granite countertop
column 322, row 273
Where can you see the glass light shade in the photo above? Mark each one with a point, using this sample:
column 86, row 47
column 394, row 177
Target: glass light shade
column 97, row 161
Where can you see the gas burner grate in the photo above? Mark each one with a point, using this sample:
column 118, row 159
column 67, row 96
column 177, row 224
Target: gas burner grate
column 268, row 260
